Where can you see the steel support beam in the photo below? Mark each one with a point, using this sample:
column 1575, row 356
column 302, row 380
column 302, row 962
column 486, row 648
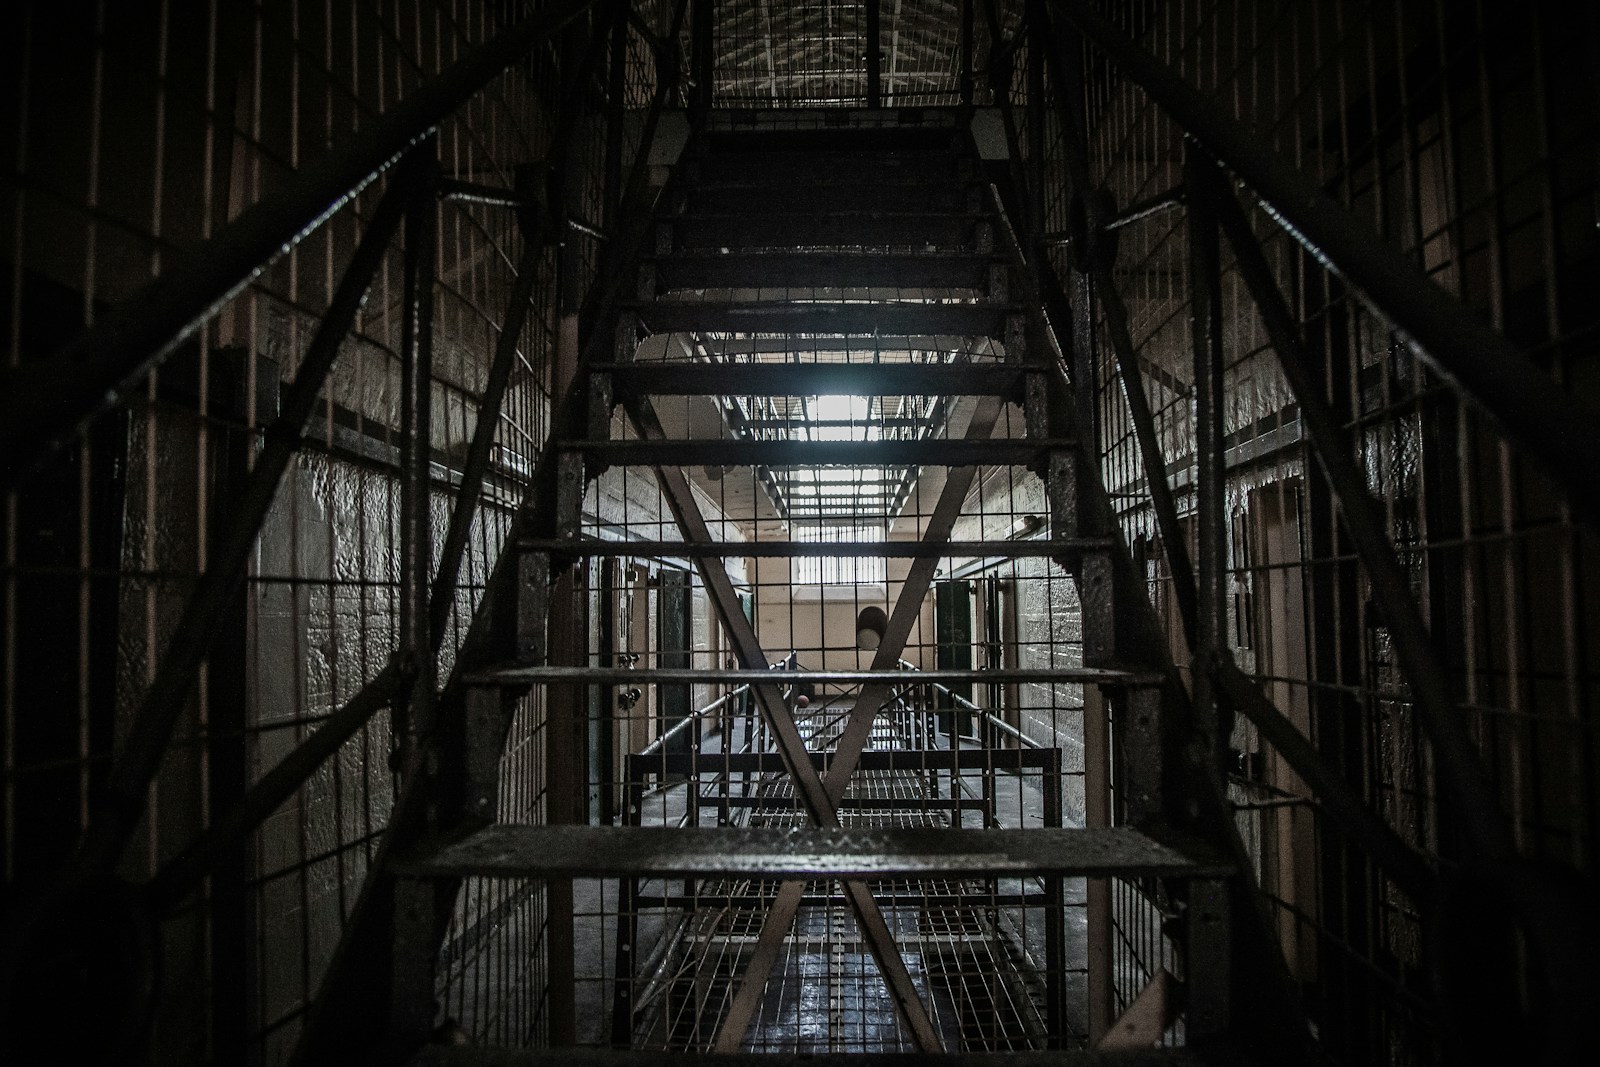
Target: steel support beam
column 1210, row 747
column 1094, row 262
column 1457, row 762
column 874, row 53
column 1409, row 869
column 1519, row 395
column 343, row 1021
column 47, row 403
column 414, row 717
column 808, row 784
column 858, row 729
column 127, row 788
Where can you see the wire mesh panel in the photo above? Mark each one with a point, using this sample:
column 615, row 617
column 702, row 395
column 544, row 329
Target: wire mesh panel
column 1436, row 129
column 136, row 132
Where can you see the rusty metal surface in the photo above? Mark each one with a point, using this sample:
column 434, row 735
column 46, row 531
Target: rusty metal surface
column 819, row 852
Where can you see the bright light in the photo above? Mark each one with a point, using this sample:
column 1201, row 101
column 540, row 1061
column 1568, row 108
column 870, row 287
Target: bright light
column 842, row 409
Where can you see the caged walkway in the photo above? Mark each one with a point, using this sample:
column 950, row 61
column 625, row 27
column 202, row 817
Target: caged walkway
column 1132, row 632
column 884, row 278
column 981, row 944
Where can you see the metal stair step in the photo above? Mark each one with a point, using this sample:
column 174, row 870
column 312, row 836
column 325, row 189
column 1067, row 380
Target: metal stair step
column 513, row 675
column 821, row 317
column 478, row 1056
column 515, row 851
column 725, row 452
column 790, row 549
column 801, row 229
column 681, row 378
column 849, row 191
column 750, row 270
column 873, row 154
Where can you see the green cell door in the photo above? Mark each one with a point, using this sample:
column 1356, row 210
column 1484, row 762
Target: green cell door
column 952, row 626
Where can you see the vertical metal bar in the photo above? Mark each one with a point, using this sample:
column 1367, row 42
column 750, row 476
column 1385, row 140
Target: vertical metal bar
column 1055, row 924
column 564, row 792
column 1097, row 813
column 413, row 717
column 701, row 58
column 874, row 53
column 615, row 87
column 413, row 959
column 966, row 51
column 1525, row 400
column 1458, row 764
column 1094, row 261
column 1205, row 320
column 1037, row 44
column 566, row 636
column 1208, row 961
column 124, row 795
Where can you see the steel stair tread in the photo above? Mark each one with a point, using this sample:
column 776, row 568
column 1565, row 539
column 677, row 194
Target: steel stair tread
column 524, row 851
column 767, row 269
column 921, row 229
column 822, row 316
column 679, row 378
column 787, row 549
column 478, row 1056
column 725, row 452
column 513, row 674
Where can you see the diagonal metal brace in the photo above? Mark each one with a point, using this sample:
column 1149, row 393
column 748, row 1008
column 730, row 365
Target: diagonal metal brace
column 858, row 727
column 808, row 783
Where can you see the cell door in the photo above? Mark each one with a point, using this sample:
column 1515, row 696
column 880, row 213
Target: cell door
column 952, row 627
column 672, row 651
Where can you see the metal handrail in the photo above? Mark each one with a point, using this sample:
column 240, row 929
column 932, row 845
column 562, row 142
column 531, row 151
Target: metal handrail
column 983, row 713
column 701, row 713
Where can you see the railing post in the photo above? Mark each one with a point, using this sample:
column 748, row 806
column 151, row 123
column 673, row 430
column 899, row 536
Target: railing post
column 701, row 58
column 616, row 86
column 966, row 52
column 1205, row 279
column 413, row 717
column 874, row 53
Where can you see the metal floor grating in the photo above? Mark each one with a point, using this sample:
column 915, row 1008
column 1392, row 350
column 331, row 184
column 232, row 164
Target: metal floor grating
column 964, row 941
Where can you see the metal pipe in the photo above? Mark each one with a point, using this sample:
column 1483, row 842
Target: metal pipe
column 1505, row 383
column 661, row 742
column 47, row 403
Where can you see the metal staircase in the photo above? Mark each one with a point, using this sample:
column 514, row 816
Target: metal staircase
column 871, row 307
column 869, row 211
